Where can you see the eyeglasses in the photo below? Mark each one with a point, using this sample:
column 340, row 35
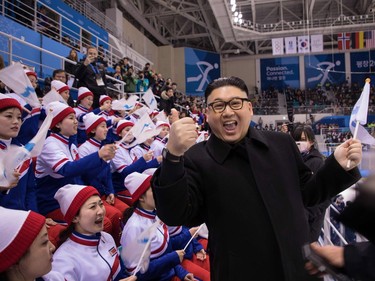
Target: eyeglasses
column 235, row 104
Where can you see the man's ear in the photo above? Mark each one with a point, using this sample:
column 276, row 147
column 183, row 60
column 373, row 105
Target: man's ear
column 75, row 219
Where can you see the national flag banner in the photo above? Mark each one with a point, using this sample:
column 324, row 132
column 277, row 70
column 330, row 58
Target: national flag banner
column 359, row 116
column 161, row 116
column 136, row 255
column 52, row 96
column 143, row 129
column 125, row 104
column 290, row 45
column 150, row 100
column 370, row 39
column 358, row 40
column 277, row 46
column 343, row 41
column 316, row 43
column 303, row 44
column 15, row 78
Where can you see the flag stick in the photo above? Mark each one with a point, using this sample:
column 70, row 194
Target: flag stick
column 192, row 237
column 354, row 137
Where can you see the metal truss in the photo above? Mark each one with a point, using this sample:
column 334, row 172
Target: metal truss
column 209, row 25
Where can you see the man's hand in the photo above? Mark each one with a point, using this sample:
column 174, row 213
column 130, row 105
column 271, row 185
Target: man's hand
column 334, row 255
column 182, row 136
column 349, row 150
column 89, row 59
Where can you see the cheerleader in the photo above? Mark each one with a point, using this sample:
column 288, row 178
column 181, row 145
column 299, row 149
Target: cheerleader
column 25, row 251
column 86, row 252
column 62, row 89
column 105, row 103
column 59, row 163
column 124, row 162
column 164, row 262
column 22, row 194
column 161, row 140
column 85, row 100
column 96, row 129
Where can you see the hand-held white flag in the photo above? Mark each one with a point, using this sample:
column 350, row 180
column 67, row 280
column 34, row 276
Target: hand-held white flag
column 359, row 117
column 15, row 78
column 52, row 96
column 140, row 250
column 142, row 130
column 16, row 155
column 150, row 100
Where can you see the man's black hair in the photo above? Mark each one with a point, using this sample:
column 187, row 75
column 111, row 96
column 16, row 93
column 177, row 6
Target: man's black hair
column 226, row 81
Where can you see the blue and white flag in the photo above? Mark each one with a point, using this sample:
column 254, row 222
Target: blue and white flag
column 150, row 100
column 139, row 252
column 143, row 129
column 125, row 104
column 15, row 78
column 14, row 156
column 359, row 116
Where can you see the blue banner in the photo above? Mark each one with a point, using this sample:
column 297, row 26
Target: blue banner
column 75, row 17
column 279, row 73
column 324, row 70
column 362, row 66
column 201, row 68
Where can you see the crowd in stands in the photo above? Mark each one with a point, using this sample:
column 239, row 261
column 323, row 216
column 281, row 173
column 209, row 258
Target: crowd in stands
column 91, row 181
column 91, row 170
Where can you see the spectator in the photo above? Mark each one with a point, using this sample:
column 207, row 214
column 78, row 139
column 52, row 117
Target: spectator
column 148, row 73
column 71, row 67
column 118, row 75
column 268, row 179
column 89, row 75
column 305, row 139
column 130, row 80
column 142, row 83
column 167, row 100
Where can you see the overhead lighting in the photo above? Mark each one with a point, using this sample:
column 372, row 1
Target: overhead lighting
column 240, row 15
column 236, row 14
column 234, row 8
column 232, row 2
column 235, row 19
column 240, row 21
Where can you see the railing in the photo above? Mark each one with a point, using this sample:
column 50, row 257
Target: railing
column 92, row 13
column 37, row 20
column 283, row 25
column 11, row 57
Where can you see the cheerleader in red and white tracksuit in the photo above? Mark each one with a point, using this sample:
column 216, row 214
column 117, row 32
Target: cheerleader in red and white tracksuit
column 22, row 195
column 85, row 100
column 124, row 162
column 161, row 140
column 86, row 252
column 107, row 113
column 60, row 164
column 164, row 263
column 96, row 129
